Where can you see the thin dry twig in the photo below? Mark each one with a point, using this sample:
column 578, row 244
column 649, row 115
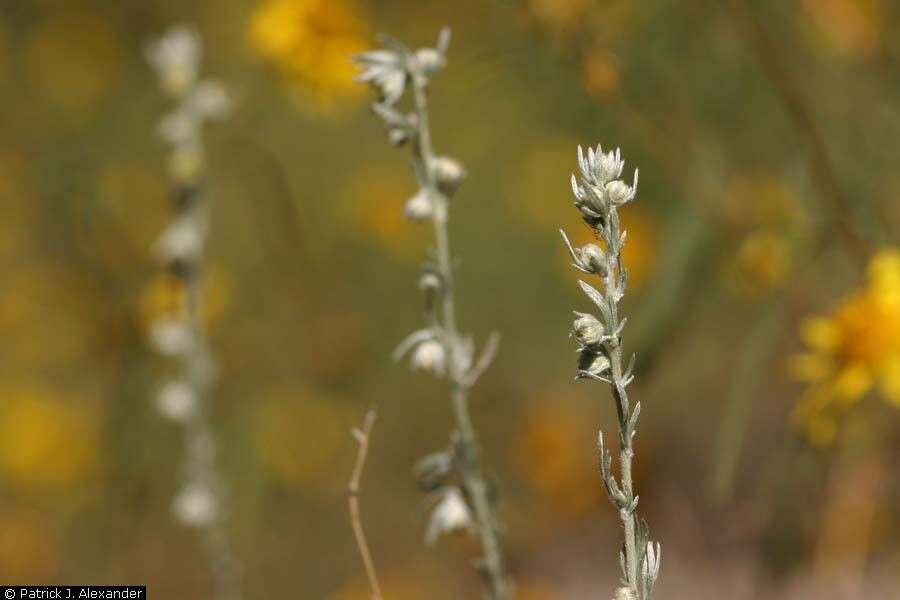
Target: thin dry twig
column 362, row 437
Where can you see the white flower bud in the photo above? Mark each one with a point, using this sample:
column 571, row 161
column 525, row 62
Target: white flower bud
column 587, row 330
column 419, row 207
column 448, row 174
column 619, row 193
column 625, row 593
column 429, row 355
column 591, row 258
column 170, row 337
column 451, row 514
column 429, row 60
column 180, row 241
column 429, row 281
column 209, row 100
column 607, row 166
column 176, row 58
column 397, row 136
column 176, row 401
column 196, row 505
column 593, row 363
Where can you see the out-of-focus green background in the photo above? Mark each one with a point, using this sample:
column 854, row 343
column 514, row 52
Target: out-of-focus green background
column 747, row 142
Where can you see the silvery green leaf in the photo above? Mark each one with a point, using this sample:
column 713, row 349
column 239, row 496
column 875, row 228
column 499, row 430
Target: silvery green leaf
column 393, row 43
column 431, row 470
column 633, row 419
column 598, row 299
column 443, row 42
column 411, row 340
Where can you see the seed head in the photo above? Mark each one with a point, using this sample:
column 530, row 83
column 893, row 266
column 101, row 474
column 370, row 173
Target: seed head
column 587, row 330
column 419, row 207
column 448, row 174
column 429, row 356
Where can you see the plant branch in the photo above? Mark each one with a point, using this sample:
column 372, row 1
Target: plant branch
column 362, row 437
column 471, row 470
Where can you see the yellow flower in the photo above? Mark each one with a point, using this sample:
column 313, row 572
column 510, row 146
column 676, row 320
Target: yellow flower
column 45, row 442
column 847, row 27
column 853, row 351
column 164, row 297
column 762, row 262
column 548, row 452
column 600, row 74
column 311, row 42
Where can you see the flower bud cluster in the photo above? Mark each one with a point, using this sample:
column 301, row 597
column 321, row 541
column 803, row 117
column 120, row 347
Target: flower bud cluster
column 598, row 189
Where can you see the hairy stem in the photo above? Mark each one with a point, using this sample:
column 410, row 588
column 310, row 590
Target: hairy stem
column 472, row 474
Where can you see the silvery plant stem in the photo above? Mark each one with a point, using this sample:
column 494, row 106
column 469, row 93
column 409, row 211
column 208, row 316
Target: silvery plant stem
column 198, row 433
column 471, row 469
column 599, row 193
column 626, row 456
column 176, row 58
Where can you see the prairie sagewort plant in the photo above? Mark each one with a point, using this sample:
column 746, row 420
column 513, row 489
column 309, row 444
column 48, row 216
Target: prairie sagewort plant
column 454, row 475
column 182, row 337
column 599, row 194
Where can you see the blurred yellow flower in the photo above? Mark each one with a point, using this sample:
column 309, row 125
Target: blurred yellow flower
column 848, row 27
column 600, row 73
column 298, row 434
column 72, row 58
column 164, row 296
column 548, row 452
column 562, row 16
column 311, row 42
column 764, row 218
column 762, row 262
column 45, row 441
column 852, row 351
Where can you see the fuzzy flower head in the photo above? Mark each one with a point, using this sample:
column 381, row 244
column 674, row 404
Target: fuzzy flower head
column 451, row 514
column 176, row 57
column 176, row 401
column 852, row 352
column 587, row 330
column 196, row 505
column 390, row 69
column 598, row 189
column 429, row 356
column 309, row 41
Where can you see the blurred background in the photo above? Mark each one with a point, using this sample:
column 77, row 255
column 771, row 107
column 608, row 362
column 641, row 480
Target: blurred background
column 764, row 304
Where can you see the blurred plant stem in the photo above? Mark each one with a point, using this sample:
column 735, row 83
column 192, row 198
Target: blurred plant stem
column 824, row 174
column 362, row 436
column 470, row 463
column 752, row 362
